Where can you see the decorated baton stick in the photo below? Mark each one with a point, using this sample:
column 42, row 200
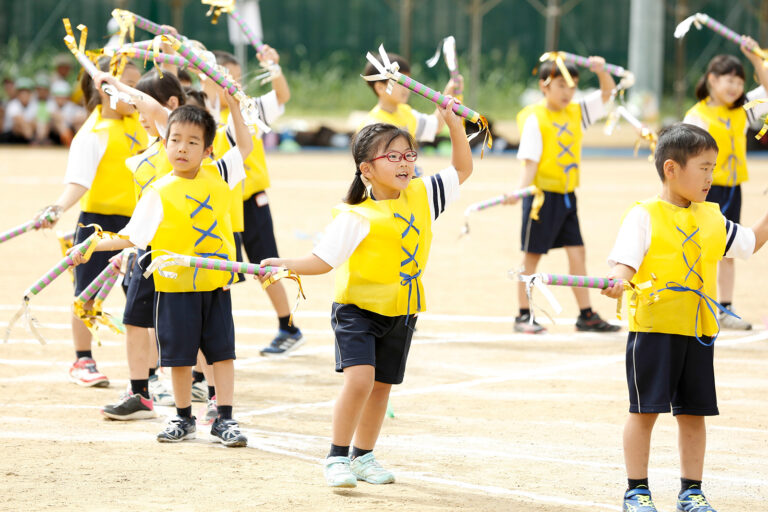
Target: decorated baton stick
column 128, row 21
column 560, row 58
column 389, row 71
column 100, row 288
column 646, row 134
column 532, row 190
column 700, row 19
column 221, row 76
column 86, row 248
column 157, row 57
column 448, row 48
column 49, row 214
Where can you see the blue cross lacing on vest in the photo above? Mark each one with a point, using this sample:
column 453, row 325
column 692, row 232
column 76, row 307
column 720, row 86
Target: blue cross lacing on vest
column 205, row 233
column 731, row 164
column 408, row 279
column 565, row 150
column 201, row 204
column 150, row 180
column 133, row 138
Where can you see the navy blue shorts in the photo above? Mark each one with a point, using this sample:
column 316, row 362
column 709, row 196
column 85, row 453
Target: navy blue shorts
column 729, row 199
column 558, row 224
column 259, row 235
column 364, row 337
column 188, row 321
column 670, row 372
column 88, row 271
column 239, row 255
column 140, row 292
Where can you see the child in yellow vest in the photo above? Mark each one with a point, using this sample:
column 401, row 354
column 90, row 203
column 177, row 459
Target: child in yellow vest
column 668, row 247
column 719, row 111
column 188, row 212
column 379, row 242
column 98, row 177
column 255, row 226
column 550, row 147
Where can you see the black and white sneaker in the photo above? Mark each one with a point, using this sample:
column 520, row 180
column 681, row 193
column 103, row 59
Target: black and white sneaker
column 178, row 429
column 284, row 343
column 130, row 407
column 228, row 433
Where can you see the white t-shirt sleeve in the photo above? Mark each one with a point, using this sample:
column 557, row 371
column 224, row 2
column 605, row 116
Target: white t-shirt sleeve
column 426, row 126
column 145, row 220
column 740, row 241
column 341, row 238
column 231, row 167
column 442, row 190
column 633, row 240
column 269, row 108
column 84, row 157
column 696, row 121
column 592, row 108
column 531, row 143
column 761, row 109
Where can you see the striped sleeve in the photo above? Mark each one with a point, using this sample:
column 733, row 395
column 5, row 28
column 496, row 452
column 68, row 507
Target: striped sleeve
column 231, row 168
column 442, row 190
column 739, row 241
column 592, row 108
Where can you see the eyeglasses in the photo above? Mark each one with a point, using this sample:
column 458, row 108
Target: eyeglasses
column 396, row 156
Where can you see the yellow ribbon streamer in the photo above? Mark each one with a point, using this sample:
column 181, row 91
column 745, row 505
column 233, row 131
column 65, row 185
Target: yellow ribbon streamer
column 287, row 274
column 753, row 103
column 650, row 136
column 217, row 8
column 538, row 202
column 559, row 59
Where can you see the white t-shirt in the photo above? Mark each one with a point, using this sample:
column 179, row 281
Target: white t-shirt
column 634, row 239
column 531, row 143
column 148, row 214
column 269, row 110
column 348, row 229
column 753, row 115
column 85, row 153
column 69, row 112
column 426, row 126
column 15, row 109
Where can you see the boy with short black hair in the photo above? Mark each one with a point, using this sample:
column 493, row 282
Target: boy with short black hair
column 188, row 212
column 668, row 247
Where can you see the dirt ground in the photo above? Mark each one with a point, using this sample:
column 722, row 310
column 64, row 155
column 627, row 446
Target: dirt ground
column 486, row 419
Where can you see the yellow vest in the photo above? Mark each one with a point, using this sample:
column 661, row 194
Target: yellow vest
column 149, row 166
column 561, row 135
column 403, row 117
column 196, row 223
column 686, row 244
column 383, row 275
column 112, row 190
column 728, row 127
column 220, row 147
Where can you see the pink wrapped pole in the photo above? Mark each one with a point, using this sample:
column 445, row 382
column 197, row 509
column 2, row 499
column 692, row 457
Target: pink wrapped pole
column 584, row 62
column 158, row 57
column 495, row 201
column 700, row 19
column 257, row 44
column 579, row 281
column 62, row 266
column 110, row 273
column 28, row 226
column 210, row 71
column 127, row 20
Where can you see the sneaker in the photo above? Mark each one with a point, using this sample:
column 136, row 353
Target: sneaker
column 200, row 391
column 228, row 433
column 638, row 500
column 178, row 429
column 283, row 343
column 159, row 392
column 337, row 473
column 84, row 373
column 731, row 322
column 693, row 500
column 211, row 412
column 132, row 407
column 594, row 323
column 523, row 324
column 367, row 468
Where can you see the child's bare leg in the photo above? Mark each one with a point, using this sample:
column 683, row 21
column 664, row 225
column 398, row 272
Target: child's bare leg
column 181, row 376
column 577, row 265
column 692, row 443
column 726, row 274
column 206, row 369
column 637, row 444
column 153, row 358
column 224, row 375
column 358, row 384
column 530, row 262
column 81, row 336
column 373, row 417
column 279, row 299
column 136, row 348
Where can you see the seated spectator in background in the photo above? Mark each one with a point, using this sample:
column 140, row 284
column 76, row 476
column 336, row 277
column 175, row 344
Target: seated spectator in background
column 19, row 120
column 42, row 110
column 9, row 92
column 66, row 117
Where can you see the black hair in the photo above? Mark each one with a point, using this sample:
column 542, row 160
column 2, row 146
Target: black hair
column 91, row 96
column 721, row 65
column 549, row 70
column 365, row 144
column 161, row 88
column 680, row 142
column 197, row 116
column 196, row 97
column 223, row 58
column 405, row 67
column 184, row 76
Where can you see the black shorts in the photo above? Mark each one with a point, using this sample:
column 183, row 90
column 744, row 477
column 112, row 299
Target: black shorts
column 239, row 255
column 188, row 321
column 670, row 372
column 364, row 337
column 88, row 271
column 558, row 224
column 140, row 292
column 729, row 199
column 259, row 235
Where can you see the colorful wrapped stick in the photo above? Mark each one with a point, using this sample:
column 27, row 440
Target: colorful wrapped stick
column 495, row 201
column 86, row 248
column 272, row 69
column 156, row 57
column 390, row 71
column 448, row 48
column 128, row 21
column 700, row 19
column 646, row 134
column 221, row 76
column 560, row 58
column 100, row 288
column 50, row 214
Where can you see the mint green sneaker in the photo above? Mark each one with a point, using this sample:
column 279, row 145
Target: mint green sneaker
column 367, row 468
column 337, row 474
